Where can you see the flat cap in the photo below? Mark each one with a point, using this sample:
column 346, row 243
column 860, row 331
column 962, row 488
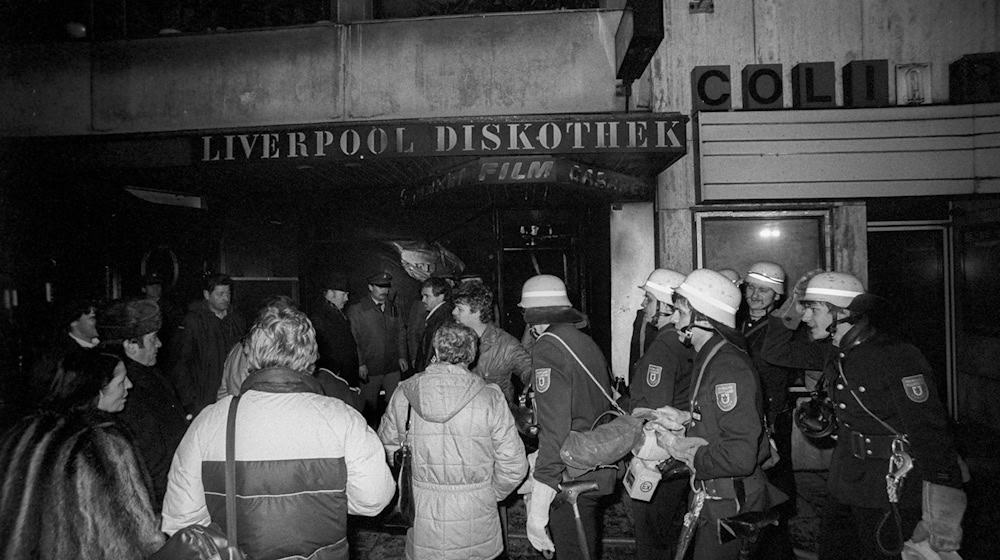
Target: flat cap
column 152, row 278
column 383, row 279
column 335, row 281
column 123, row 320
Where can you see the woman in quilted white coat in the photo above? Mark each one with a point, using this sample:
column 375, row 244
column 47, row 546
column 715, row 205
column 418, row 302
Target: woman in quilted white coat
column 467, row 455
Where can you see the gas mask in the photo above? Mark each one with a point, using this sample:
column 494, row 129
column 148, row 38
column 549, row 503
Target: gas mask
column 816, row 417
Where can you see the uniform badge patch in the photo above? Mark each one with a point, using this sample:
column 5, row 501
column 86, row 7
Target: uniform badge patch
column 542, row 378
column 725, row 396
column 916, row 388
column 653, row 375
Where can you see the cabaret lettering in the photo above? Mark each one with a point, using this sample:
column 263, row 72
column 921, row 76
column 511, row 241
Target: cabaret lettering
column 608, row 181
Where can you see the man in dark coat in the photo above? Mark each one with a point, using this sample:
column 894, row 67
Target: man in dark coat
column 153, row 413
column 338, row 352
column 435, row 294
column 76, row 326
column 209, row 331
column 380, row 333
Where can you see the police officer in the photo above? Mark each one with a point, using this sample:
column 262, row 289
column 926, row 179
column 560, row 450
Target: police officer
column 661, row 377
column 725, row 444
column 763, row 289
column 889, row 419
column 567, row 398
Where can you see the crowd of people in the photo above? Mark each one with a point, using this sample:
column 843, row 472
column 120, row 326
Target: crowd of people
column 119, row 451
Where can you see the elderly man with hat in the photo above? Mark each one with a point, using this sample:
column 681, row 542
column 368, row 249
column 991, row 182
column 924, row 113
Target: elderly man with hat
column 152, row 286
column 154, row 414
column 380, row 333
column 895, row 471
column 338, row 351
column 572, row 389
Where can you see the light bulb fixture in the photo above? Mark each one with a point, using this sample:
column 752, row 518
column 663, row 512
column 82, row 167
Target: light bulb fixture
column 769, row 232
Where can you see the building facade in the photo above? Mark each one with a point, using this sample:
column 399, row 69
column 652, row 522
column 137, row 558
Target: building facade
column 838, row 135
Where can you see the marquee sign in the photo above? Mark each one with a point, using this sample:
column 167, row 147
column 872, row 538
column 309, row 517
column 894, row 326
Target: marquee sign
column 499, row 136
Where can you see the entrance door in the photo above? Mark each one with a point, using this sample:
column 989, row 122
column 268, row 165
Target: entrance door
column 910, row 264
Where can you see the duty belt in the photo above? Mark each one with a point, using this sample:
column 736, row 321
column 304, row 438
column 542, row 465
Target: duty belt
column 866, row 446
column 732, row 488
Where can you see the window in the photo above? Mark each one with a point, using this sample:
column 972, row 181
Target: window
column 799, row 240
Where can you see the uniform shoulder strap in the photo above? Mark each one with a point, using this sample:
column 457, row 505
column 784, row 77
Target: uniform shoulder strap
column 586, row 369
column 701, row 373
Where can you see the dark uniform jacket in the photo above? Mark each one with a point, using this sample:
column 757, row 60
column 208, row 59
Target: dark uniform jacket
column 381, row 336
column 202, row 343
column 425, row 350
column 338, row 352
column 567, row 399
column 894, row 381
column 662, row 376
column 727, row 409
column 156, row 420
column 634, row 351
column 774, row 380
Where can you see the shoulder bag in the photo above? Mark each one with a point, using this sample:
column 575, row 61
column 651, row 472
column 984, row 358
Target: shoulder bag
column 199, row 542
column 402, row 513
column 605, row 443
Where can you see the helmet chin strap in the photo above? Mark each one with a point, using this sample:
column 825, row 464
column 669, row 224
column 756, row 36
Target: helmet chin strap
column 660, row 312
column 688, row 332
column 686, row 340
column 831, row 329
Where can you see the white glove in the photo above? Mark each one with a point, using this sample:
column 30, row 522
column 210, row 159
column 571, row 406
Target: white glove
column 922, row 551
column 650, row 450
column 665, row 418
column 538, row 517
column 529, row 482
column 682, row 448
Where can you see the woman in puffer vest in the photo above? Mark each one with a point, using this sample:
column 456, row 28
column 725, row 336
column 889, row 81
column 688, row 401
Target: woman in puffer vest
column 467, row 455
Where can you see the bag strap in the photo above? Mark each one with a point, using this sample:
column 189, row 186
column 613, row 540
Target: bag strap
column 231, row 474
column 591, row 375
column 701, row 373
column 406, row 434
